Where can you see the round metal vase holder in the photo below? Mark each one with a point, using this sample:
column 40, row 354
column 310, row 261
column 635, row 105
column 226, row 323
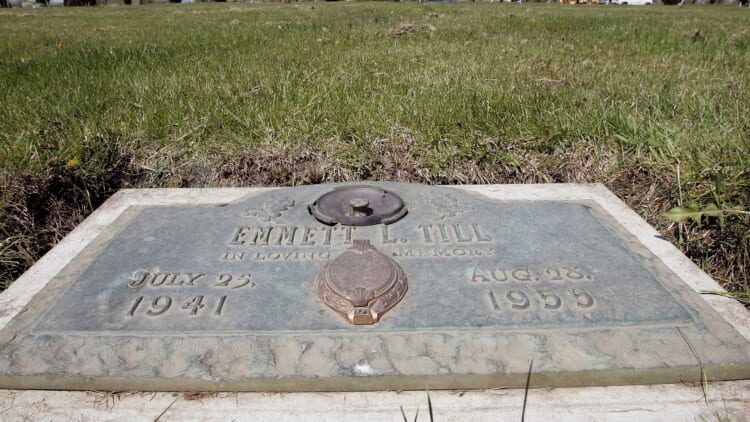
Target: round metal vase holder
column 361, row 284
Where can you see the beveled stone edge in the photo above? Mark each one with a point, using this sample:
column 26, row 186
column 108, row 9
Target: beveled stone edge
column 342, row 384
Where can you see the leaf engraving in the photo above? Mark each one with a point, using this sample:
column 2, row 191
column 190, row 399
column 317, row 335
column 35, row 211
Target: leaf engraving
column 271, row 209
column 446, row 204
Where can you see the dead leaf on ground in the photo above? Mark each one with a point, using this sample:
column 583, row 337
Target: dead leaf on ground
column 410, row 28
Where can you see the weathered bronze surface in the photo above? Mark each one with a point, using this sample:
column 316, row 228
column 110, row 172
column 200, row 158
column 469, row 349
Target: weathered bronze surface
column 204, row 290
column 361, row 284
column 358, row 206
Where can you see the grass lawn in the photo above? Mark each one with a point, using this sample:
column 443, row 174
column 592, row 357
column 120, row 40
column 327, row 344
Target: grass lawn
column 654, row 102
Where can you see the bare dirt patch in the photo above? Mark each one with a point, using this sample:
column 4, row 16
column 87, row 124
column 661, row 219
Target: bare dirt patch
column 38, row 210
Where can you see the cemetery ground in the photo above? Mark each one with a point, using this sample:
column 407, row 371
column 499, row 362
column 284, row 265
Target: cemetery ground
column 652, row 102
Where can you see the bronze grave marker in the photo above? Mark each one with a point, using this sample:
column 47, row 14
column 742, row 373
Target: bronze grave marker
column 365, row 287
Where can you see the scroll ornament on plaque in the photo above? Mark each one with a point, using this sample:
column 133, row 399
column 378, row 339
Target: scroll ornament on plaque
column 361, row 284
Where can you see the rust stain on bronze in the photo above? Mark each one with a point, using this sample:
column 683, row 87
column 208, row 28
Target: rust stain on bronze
column 361, row 284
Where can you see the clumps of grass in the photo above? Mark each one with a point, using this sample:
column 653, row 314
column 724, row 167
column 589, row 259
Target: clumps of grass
column 723, row 250
column 695, row 211
column 38, row 209
column 276, row 166
column 324, row 93
column 716, row 233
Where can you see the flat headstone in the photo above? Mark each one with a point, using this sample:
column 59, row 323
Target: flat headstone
column 219, row 293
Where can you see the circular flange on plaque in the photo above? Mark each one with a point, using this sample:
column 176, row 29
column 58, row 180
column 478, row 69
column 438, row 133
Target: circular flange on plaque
column 358, row 206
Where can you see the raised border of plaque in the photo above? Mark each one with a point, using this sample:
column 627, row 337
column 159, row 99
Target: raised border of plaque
column 46, row 342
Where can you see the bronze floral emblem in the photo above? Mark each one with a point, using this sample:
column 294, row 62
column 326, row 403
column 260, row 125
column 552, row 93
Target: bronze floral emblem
column 361, row 284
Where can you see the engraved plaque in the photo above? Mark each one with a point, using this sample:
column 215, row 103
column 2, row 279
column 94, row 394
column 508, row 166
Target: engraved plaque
column 361, row 284
column 245, row 293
